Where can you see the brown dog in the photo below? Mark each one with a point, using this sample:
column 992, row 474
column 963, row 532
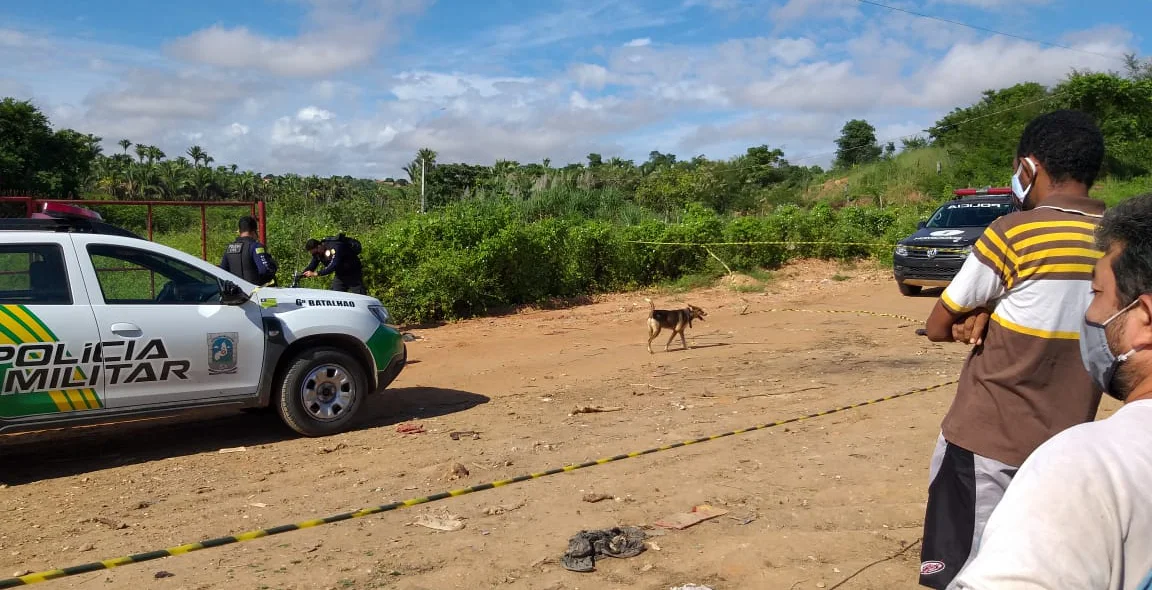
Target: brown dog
column 676, row 320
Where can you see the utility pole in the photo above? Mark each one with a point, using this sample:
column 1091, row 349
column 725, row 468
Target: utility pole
column 422, row 203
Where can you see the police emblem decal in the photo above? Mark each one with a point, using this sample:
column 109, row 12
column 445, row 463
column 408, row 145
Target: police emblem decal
column 222, row 352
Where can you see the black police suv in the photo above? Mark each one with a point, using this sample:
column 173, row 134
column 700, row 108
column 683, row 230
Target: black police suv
column 933, row 255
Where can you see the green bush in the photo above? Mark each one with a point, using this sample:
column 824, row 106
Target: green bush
column 489, row 252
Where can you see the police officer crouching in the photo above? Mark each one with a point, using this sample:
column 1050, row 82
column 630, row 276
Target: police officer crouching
column 247, row 258
column 339, row 255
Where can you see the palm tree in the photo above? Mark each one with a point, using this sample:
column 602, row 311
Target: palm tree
column 141, row 151
column 155, row 154
column 173, row 178
column 196, row 153
column 124, row 143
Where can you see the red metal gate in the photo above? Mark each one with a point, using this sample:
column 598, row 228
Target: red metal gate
column 30, row 204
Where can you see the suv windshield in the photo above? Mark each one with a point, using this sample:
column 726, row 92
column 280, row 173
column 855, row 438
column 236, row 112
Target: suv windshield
column 962, row 214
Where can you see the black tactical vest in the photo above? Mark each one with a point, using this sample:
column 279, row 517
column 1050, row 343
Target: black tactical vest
column 240, row 263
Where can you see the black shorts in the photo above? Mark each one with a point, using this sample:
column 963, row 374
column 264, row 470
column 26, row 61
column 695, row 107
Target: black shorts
column 964, row 489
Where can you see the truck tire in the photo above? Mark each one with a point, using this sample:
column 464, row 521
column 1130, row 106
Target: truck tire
column 321, row 392
column 909, row 290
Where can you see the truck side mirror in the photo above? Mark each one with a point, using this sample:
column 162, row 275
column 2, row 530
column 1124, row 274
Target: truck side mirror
column 921, row 224
column 232, row 294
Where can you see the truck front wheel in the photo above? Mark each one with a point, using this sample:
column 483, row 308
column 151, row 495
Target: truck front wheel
column 909, row 290
column 321, row 392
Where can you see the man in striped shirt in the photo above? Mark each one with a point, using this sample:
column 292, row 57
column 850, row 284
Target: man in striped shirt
column 1019, row 299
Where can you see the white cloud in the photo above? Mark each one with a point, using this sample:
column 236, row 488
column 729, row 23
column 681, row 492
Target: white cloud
column 279, row 105
column 239, row 48
column 795, row 10
column 344, row 34
column 426, row 85
column 312, row 114
column 590, row 75
column 236, row 130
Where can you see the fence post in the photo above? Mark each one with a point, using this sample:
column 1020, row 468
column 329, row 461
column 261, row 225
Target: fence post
column 262, row 217
column 150, row 224
column 203, row 232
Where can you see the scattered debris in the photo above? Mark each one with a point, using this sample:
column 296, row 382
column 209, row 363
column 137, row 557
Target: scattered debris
column 457, row 435
column 108, row 522
column 592, row 497
column 457, row 471
column 444, row 521
column 21, row 573
column 501, row 509
column 586, row 546
column 684, row 520
column 691, row 587
column 258, row 505
column 411, row 429
column 87, row 547
column 234, row 450
column 743, row 520
column 650, row 386
column 333, row 449
column 410, row 337
column 143, row 504
column 775, row 393
column 163, row 574
column 594, row 410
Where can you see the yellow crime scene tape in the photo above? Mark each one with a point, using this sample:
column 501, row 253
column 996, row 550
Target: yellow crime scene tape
column 801, row 243
column 44, row 576
column 878, row 314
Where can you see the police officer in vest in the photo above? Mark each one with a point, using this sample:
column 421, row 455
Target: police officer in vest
column 339, row 256
column 247, row 258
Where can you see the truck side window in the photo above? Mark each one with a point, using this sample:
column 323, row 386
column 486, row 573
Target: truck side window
column 130, row 276
column 33, row 274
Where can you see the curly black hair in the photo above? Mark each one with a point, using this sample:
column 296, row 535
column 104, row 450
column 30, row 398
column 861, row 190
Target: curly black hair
column 1067, row 143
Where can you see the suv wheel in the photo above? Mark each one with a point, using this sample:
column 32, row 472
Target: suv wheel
column 909, row 290
column 322, row 390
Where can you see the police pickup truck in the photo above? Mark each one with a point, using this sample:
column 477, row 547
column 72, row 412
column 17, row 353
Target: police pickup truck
column 98, row 324
column 933, row 255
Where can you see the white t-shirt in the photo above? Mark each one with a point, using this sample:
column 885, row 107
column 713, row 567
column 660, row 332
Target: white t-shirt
column 1078, row 514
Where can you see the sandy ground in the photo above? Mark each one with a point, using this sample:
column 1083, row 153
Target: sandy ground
column 808, row 504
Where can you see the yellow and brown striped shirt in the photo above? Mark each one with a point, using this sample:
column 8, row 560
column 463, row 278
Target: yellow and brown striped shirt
column 1033, row 269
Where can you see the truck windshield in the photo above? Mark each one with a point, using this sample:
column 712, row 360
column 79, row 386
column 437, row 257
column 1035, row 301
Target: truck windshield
column 968, row 214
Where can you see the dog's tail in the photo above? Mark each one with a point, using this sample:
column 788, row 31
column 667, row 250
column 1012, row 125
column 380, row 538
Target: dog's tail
column 651, row 305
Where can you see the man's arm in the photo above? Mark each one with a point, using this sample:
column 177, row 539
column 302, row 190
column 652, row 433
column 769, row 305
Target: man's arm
column 224, row 262
column 264, row 263
column 337, row 257
column 312, row 265
column 961, row 310
column 1057, row 527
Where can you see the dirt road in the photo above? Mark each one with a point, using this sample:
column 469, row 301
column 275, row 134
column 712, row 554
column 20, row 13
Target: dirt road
column 808, row 504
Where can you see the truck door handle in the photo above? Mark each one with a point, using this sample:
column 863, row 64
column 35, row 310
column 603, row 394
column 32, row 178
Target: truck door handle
column 127, row 330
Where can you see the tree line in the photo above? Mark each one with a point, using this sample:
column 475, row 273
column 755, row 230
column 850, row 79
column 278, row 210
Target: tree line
column 978, row 141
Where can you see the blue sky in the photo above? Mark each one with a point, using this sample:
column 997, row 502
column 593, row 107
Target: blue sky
column 357, row 86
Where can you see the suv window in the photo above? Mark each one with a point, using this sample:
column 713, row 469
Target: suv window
column 33, row 274
column 961, row 214
column 130, row 276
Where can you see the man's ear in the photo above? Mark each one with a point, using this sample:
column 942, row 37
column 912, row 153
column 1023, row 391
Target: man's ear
column 1143, row 312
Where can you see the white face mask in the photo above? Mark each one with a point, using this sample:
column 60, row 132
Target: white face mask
column 1021, row 192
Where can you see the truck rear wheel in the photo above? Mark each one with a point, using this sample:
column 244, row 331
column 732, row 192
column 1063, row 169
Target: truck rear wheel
column 321, row 392
column 909, row 290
